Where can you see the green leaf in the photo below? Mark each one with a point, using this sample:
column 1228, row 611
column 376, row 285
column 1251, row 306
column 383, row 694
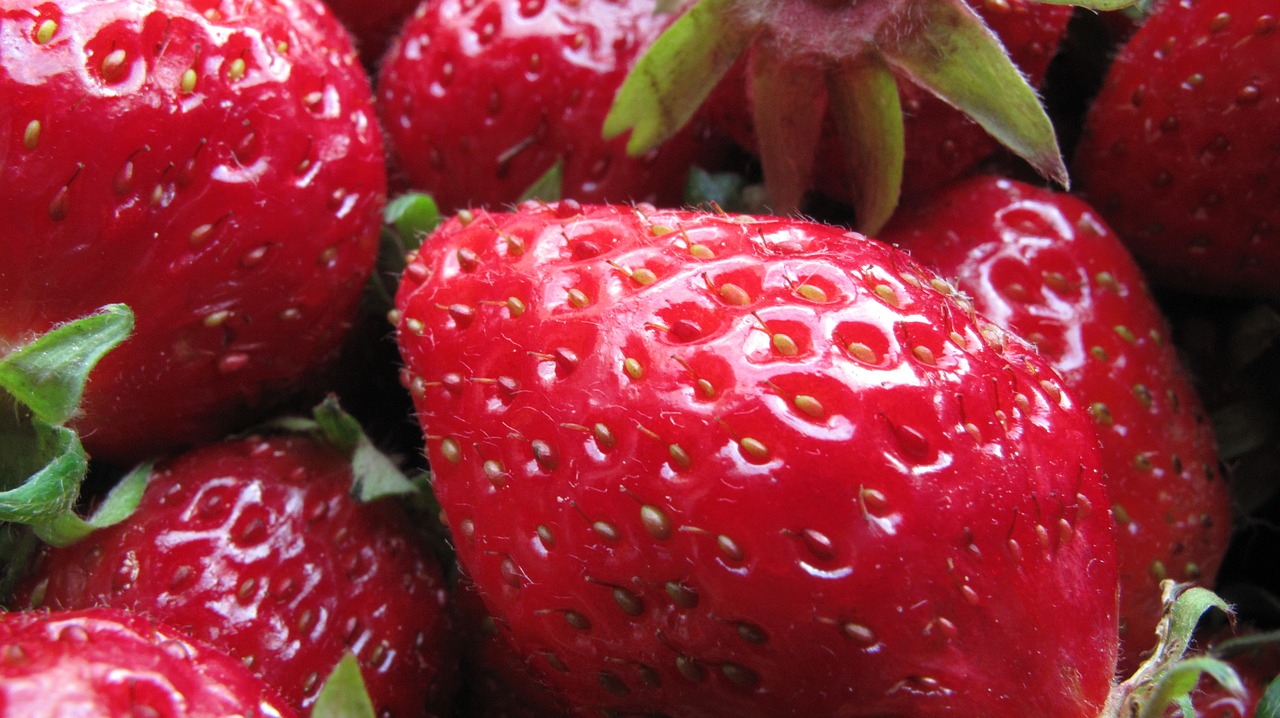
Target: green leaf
column 675, row 75
column 339, row 427
column 1269, row 704
column 414, row 215
column 547, row 187
column 945, row 46
column 49, row 374
column 344, row 694
column 118, row 505
column 868, row 114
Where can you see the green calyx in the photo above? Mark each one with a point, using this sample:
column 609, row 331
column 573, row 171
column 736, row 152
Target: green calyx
column 344, row 694
column 42, row 462
column 374, row 474
column 1169, row 676
column 855, row 51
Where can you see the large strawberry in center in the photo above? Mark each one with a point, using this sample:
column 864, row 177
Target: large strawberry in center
column 713, row 465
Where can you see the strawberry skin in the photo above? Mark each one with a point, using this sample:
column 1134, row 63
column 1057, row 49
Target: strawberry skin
column 481, row 99
column 215, row 166
column 715, row 465
column 107, row 663
column 1043, row 265
column 1181, row 145
column 255, row 546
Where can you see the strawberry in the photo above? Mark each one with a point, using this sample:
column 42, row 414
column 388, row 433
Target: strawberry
column 217, row 167
column 1180, row 146
column 807, row 60
column 715, row 465
column 482, row 98
column 108, row 663
column 1043, row 265
column 941, row 143
column 256, row 546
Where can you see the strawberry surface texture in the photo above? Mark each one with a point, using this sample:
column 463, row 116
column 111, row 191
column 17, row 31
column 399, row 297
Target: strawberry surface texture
column 255, row 546
column 110, row 663
column 1045, row 266
column 218, row 167
column 701, row 464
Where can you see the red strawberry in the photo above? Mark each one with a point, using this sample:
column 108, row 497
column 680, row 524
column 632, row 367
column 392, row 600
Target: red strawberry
column 714, row 465
column 1043, row 265
column 482, row 98
column 256, row 546
column 941, row 142
column 108, row 663
column 217, row 167
column 1180, row 148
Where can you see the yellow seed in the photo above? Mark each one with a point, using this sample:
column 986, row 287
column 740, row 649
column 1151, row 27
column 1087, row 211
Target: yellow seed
column 809, row 405
column 754, row 449
column 188, row 81
column 886, row 293
column 515, row 306
column 632, row 368
column 785, row 345
column 644, row 276
column 679, row 455
column 451, row 451
column 862, row 353
column 924, row 354
column 1125, row 333
column 812, row 293
column 578, row 298
column 734, row 295
column 31, row 136
column 701, row 251
column 235, row 72
column 45, row 32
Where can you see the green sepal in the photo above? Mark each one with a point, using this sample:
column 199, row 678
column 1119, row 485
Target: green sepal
column 948, row 49
column 1269, row 703
column 548, row 187
column 1168, row 675
column 344, row 694
column 118, row 505
column 1098, row 5
column 49, row 374
column 374, row 474
column 867, row 110
column 1177, row 683
column 714, row 189
column 674, row 76
column 788, row 124
column 414, row 215
column 43, row 464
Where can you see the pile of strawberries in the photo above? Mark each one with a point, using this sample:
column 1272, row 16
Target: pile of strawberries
column 746, row 358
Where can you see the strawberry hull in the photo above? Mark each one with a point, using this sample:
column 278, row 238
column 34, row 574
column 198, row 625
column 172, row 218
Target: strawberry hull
column 714, row 465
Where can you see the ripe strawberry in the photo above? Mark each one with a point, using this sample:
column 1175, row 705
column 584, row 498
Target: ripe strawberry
column 1043, row 265
column 1180, row 147
column 107, row 663
column 482, row 98
column 941, row 142
column 714, row 465
column 256, row 546
column 215, row 166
